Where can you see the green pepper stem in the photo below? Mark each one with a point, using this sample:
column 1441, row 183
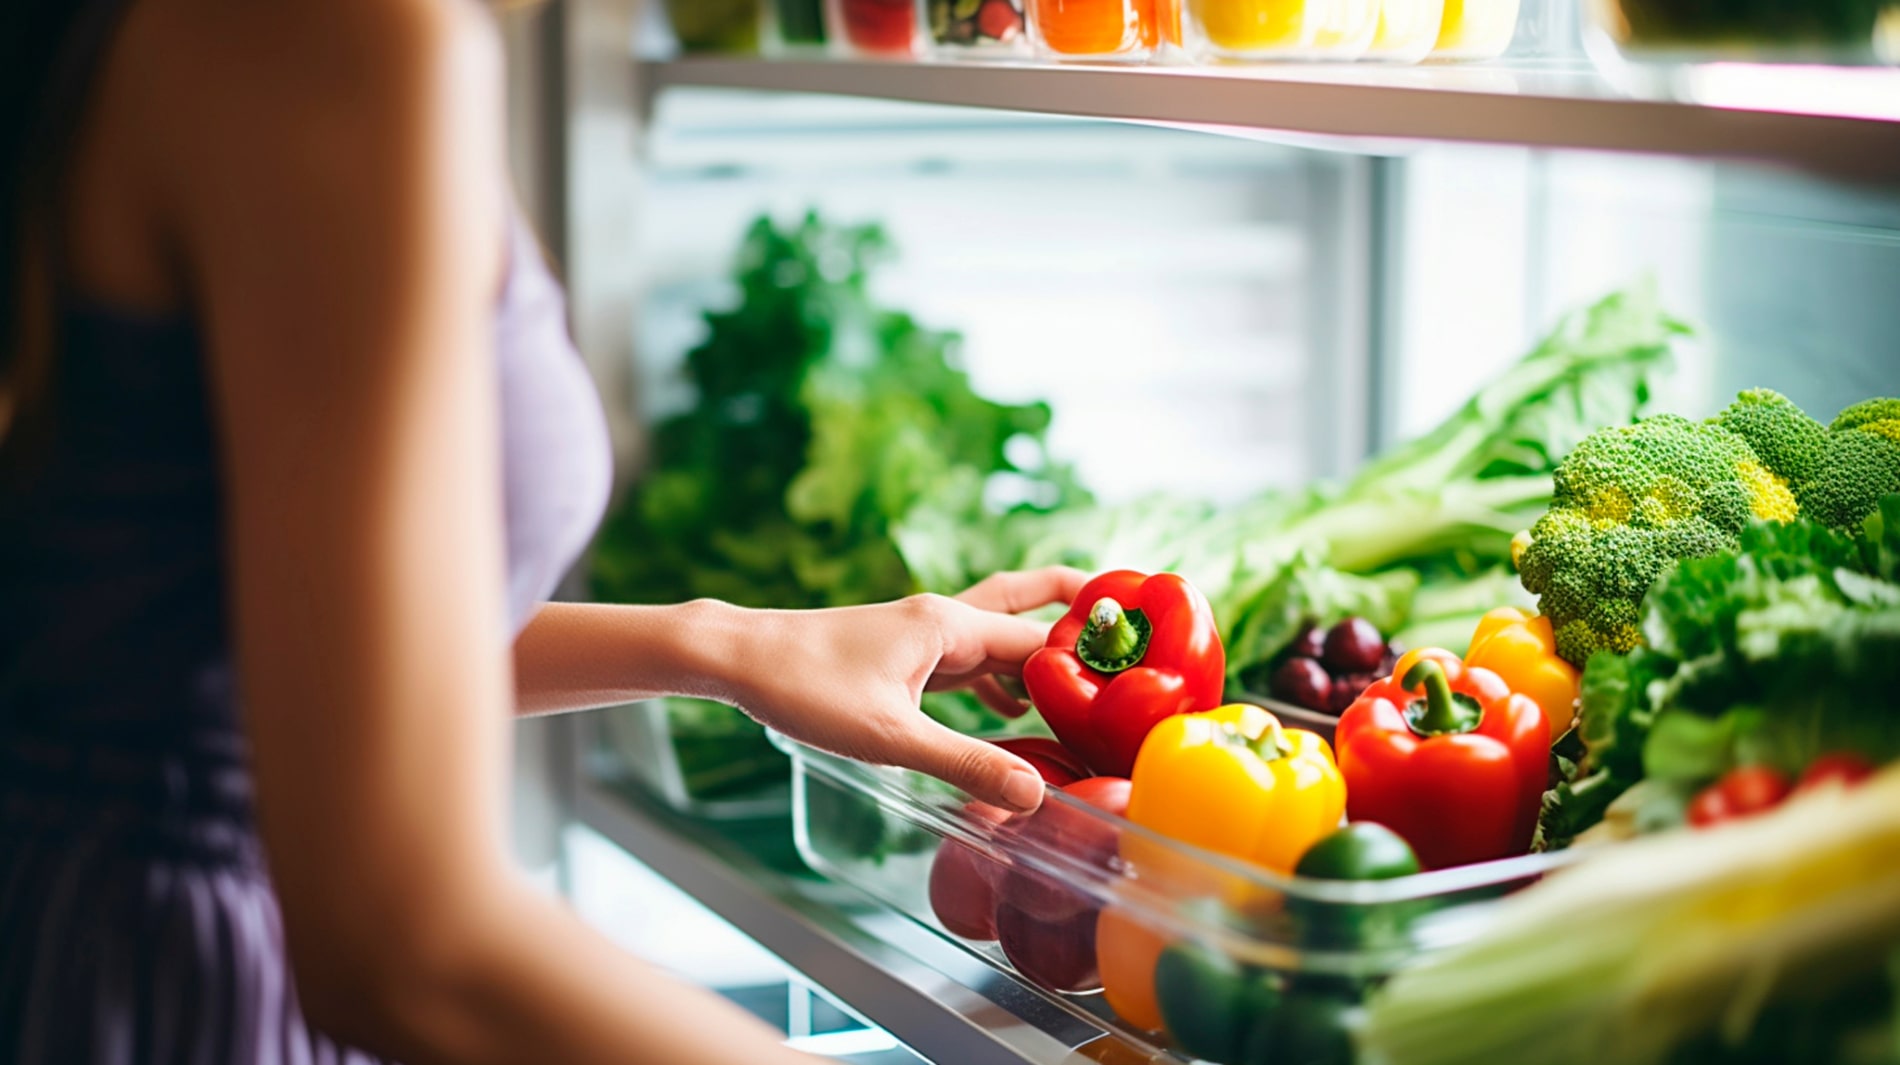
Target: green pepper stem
column 1113, row 639
column 1441, row 710
column 1271, row 745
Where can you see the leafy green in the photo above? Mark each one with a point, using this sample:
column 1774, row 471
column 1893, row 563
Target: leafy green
column 1775, row 654
column 1397, row 542
column 820, row 420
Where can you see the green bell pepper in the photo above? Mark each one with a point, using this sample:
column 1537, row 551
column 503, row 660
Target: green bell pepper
column 1362, row 850
column 1210, row 1003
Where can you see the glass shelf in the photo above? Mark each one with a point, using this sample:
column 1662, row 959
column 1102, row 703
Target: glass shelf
column 1840, row 122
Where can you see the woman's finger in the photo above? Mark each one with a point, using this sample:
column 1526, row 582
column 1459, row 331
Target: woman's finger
column 982, row 641
column 1016, row 591
column 986, row 771
column 997, row 698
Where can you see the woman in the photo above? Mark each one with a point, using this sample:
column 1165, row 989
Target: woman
column 294, row 447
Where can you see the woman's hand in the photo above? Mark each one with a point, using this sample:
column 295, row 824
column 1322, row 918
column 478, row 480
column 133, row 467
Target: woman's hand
column 848, row 680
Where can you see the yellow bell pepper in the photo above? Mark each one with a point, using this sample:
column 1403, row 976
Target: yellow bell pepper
column 1521, row 649
column 1231, row 780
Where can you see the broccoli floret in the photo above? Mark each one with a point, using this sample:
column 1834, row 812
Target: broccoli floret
column 1833, row 474
column 1628, row 501
column 1878, row 416
column 1788, row 442
column 1631, row 499
column 1862, row 465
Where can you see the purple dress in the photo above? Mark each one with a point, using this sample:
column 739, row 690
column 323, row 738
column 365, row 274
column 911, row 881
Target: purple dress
column 137, row 922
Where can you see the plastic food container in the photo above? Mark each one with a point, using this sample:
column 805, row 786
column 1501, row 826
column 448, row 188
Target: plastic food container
column 730, row 26
column 1083, row 901
column 1290, row 715
column 975, row 29
column 1407, row 30
column 1217, row 30
column 1475, row 29
column 875, row 28
column 798, row 24
column 1111, row 31
column 703, row 759
column 1772, row 31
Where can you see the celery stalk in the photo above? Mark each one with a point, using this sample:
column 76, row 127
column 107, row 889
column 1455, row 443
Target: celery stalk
column 1636, row 950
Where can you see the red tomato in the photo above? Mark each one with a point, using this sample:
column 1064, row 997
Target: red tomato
column 1742, row 792
column 1843, row 768
column 963, row 881
column 1045, row 924
column 1057, row 764
column 1709, row 807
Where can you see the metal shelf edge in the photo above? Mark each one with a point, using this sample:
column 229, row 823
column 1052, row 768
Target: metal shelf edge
column 1537, row 109
column 974, row 1017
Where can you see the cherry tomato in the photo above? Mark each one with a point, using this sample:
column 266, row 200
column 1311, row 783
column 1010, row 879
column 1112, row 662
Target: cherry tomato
column 1709, row 807
column 1057, row 764
column 1842, row 768
column 1045, row 924
column 1741, row 792
column 963, row 880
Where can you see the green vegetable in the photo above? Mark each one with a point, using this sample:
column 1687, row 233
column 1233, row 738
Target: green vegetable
column 721, row 752
column 1362, row 850
column 1676, row 949
column 1359, row 851
column 1209, row 1002
column 1311, row 1026
column 1861, row 465
column 1781, row 651
column 1836, row 473
column 1628, row 501
column 1427, row 517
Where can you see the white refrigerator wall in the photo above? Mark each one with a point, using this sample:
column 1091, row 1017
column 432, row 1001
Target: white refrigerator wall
column 1157, row 286
column 1789, row 283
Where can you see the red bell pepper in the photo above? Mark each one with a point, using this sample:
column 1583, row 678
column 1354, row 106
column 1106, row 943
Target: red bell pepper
column 1132, row 650
column 1459, row 773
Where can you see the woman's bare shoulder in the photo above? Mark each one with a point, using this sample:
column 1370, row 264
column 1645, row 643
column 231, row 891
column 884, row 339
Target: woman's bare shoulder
column 304, row 46
column 224, row 85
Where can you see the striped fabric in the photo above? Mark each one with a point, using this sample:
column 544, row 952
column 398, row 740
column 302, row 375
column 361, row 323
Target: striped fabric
column 137, row 926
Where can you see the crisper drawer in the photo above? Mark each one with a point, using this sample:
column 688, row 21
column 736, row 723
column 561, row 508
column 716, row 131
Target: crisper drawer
column 702, row 758
column 1203, row 957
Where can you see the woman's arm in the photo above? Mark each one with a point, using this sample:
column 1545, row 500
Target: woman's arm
column 333, row 170
column 847, row 680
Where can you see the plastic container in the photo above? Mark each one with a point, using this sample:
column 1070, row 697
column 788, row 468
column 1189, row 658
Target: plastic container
column 1475, row 29
column 1082, row 898
column 1291, row 715
column 1677, row 32
column 1106, row 31
column 723, row 26
column 975, row 29
column 701, row 758
column 1407, row 30
column 798, row 25
column 882, row 29
column 1222, row 30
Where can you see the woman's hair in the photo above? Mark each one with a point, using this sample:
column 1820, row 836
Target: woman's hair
column 43, row 43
